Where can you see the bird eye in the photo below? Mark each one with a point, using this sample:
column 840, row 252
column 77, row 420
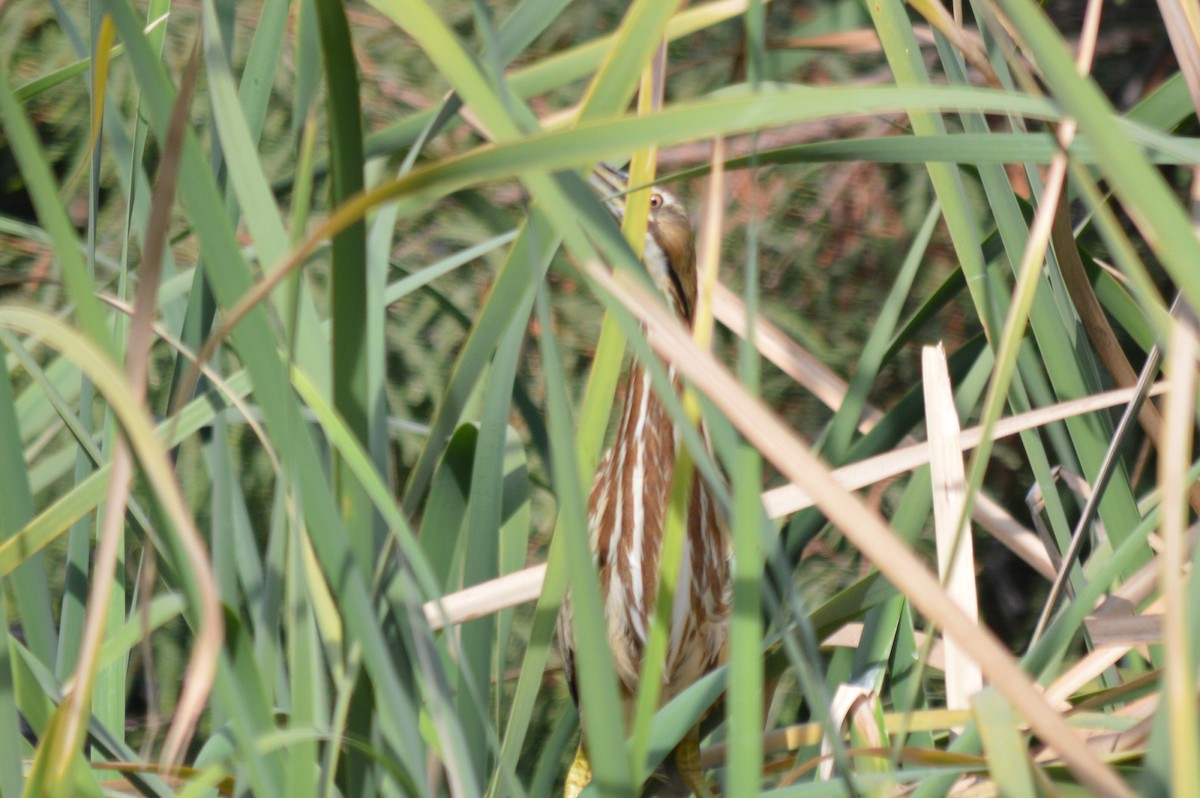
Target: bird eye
column 656, row 201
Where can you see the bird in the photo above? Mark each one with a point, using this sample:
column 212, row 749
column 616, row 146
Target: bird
column 627, row 510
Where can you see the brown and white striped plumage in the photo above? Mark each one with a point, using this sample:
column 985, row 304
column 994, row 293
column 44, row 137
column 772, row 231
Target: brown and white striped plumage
column 628, row 504
column 626, row 512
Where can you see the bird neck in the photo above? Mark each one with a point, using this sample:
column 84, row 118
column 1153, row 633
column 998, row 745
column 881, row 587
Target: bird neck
column 646, row 434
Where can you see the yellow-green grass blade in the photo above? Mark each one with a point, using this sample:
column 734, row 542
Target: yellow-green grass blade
column 1124, row 253
column 553, row 752
column 675, row 719
column 238, row 136
column 907, row 687
column 236, row 557
column 904, row 58
column 261, row 569
column 962, row 148
column 524, row 24
column 531, row 251
column 156, row 613
column 404, row 286
column 734, row 111
column 299, row 313
column 642, row 29
column 38, row 86
column 34, row 413
column 421, row 21
column 748, row 530
column 1176, row 735
column 262, row 63
column 308, row 69
column 1164, row 107
column 589, row 440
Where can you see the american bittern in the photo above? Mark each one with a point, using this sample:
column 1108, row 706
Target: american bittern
column 627, row 509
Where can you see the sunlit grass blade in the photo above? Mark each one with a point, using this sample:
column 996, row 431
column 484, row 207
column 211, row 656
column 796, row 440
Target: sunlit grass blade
column 1179, row 705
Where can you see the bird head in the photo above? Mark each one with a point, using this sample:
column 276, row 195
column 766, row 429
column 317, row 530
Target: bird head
column 670, row 251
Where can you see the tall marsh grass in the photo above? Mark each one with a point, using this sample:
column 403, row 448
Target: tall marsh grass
column 312, row 329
